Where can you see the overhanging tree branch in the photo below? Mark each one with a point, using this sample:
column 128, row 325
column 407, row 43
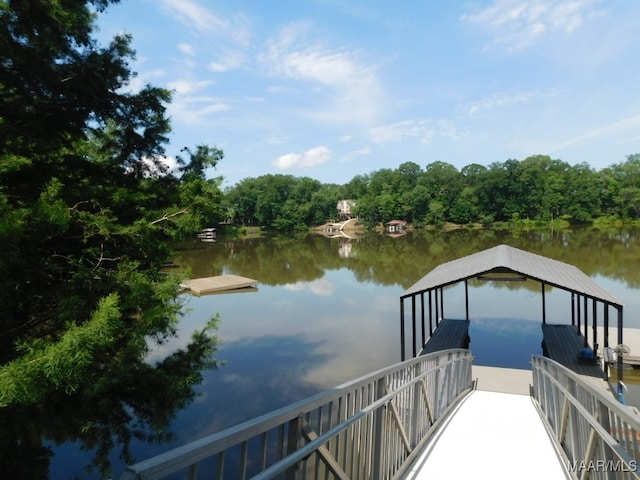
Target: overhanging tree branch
column 166, row 217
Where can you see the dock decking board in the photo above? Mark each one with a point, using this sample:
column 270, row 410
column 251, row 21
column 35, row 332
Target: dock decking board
column 221, row 283
column 562, row 343
column 490, row 435
column 449, row 334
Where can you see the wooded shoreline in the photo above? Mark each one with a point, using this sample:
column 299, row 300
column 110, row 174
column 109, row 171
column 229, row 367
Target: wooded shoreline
column 537, row 190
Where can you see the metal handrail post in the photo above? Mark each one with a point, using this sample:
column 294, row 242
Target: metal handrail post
column 378, row 441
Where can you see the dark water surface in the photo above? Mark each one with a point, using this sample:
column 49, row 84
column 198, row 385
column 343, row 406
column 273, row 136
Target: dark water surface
column 327, row 311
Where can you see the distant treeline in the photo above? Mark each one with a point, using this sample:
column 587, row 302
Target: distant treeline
column 537, row 188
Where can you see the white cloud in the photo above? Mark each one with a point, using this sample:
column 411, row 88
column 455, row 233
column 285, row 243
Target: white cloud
column 138, row 82
column 160, row 165
column 628, row 140
column 194, row 110
column 186, row 49
column 517, row 24
column 170, row 162
column 321, row 287
column 208, row 105
column 276, row 139
column 569, row 16
column 624, row 126
column 423, row 130
column 396, row 131
column 351, row 85
column 504, row 99
column 186, row 87
column 311, row 158
column 189, row 106
column 278, row 89
column 202, row 20
column 190, row 116
column 227, row 61
column 357, row 153
column 194, row 15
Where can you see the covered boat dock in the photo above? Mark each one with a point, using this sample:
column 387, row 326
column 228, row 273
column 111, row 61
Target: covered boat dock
column 437, row 415
column 504, row 263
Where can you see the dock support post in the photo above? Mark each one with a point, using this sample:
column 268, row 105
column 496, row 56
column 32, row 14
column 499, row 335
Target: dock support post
column 606, row 338
column 578, row 312
column 424, row 340
column 544, row 306
column 437, row 308
column 402, row 342
column 466, row 297
column 441, row 303
column 573, row 309
column 430, row 316
column 595, row 325
column 619, row 342
column 414, row 332
column 586, row 322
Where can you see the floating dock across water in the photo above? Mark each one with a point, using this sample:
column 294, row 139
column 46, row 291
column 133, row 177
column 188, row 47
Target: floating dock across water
column 220, row 284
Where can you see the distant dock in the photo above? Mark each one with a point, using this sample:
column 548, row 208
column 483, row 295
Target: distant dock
column 220, row 284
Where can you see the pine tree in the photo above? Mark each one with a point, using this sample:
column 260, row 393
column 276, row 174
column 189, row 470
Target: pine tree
column 87, row 213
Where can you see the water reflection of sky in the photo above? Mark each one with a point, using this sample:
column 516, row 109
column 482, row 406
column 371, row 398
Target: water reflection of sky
column 280, row 344
column 505, row 342
column 284, row 343
column 627, row 296
column 506, row 319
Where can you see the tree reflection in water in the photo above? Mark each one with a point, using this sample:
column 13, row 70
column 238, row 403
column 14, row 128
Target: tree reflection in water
column 136, row 402
column 132, row 400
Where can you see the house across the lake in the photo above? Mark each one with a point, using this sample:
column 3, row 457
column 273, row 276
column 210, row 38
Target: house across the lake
column 345, row 207
column 396, row 226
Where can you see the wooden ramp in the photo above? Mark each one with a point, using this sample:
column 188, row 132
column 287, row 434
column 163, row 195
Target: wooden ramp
column 448, row 334
column 220, row 284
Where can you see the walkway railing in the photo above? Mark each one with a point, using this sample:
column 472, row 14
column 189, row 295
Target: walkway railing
column 369, row 428
column 599, row 436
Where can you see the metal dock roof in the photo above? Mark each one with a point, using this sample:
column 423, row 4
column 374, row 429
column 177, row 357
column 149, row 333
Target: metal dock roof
column 504, row 258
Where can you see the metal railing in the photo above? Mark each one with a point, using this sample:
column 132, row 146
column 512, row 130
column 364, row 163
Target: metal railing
column 598, row 435
column 369, row 428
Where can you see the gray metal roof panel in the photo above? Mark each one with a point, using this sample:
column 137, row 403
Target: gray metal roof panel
column 531, row 265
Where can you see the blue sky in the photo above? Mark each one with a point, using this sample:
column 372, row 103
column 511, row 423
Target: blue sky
column 332, row 89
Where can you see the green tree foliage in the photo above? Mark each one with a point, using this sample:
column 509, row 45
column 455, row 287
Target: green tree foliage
column 357, row 187
column 543, row 185
column 537, row 188
column 583, row 196
column 622, row 188
column 87, row 210
column 281, row 202
column 324, row 201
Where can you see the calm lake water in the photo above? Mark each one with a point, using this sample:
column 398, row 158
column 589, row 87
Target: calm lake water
column 327, row 311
